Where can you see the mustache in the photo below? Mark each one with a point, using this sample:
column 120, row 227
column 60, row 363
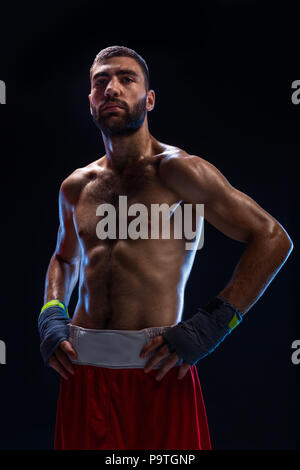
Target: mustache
column 116, row 102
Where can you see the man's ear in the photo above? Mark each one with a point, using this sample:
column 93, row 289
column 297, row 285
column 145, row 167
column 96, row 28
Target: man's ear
column 150, row 102
column 90, row 100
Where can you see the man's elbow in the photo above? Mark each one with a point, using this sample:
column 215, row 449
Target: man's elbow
column 289, row 246
column 280, row 240
column 71, row 261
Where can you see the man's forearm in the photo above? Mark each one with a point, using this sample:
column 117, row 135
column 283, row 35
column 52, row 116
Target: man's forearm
column 200, row 335
column 54, row 318
column 257, row 267
column 61, row 279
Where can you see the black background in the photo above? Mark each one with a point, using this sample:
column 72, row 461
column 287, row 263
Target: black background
column 222, row 73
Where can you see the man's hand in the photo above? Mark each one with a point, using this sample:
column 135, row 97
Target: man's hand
column 162, row 353
column 61, row 359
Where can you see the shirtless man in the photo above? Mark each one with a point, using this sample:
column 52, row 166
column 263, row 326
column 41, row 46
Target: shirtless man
column 130, row 297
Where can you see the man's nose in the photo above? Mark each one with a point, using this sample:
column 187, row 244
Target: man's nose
column 112, row 88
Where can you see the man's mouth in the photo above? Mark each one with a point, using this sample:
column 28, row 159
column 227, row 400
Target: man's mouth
column 112, row 106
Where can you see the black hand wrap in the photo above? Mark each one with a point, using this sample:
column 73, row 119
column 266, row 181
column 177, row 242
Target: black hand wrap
column 200, row 335
column 53, row 329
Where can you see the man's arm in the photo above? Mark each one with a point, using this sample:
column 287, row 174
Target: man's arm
column 62, row 273
column 239, row 217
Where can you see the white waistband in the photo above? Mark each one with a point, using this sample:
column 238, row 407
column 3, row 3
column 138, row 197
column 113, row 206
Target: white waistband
column 115, row 349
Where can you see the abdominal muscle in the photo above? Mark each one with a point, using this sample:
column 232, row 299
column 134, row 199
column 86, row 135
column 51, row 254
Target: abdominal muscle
column 132, row 284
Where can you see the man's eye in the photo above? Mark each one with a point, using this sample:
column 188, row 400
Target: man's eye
column 127, row 79
column 100, row 82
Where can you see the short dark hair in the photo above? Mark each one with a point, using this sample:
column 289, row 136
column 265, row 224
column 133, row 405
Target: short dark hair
column 122, row 51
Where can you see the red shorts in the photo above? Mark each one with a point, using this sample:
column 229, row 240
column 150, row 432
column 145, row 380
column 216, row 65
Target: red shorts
column 117, row 406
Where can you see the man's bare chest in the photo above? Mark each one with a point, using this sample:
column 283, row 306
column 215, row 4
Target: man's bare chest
column 120, row 197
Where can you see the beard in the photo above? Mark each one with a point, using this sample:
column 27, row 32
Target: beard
column 123, row 124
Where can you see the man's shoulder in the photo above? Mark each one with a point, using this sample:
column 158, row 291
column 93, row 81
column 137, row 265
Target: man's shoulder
column 177, row 161
column 190, row 176
column 73, row 184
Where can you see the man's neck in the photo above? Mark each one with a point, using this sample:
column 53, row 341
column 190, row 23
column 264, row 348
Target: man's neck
column 123, row 150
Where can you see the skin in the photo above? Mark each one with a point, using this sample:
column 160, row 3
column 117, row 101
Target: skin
column 136, row 284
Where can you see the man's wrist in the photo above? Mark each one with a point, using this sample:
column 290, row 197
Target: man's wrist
column 200, row 335
column 227, row 315
column 53, row 303
column 53, row 327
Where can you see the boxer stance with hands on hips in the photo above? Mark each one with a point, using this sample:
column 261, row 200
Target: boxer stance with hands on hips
column 126, row 359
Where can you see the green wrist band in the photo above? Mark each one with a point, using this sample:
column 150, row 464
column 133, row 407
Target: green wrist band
column 53, row 328
column 52, row 303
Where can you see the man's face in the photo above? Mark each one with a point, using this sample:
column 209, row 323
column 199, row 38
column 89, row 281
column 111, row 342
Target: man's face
column 118, row 98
